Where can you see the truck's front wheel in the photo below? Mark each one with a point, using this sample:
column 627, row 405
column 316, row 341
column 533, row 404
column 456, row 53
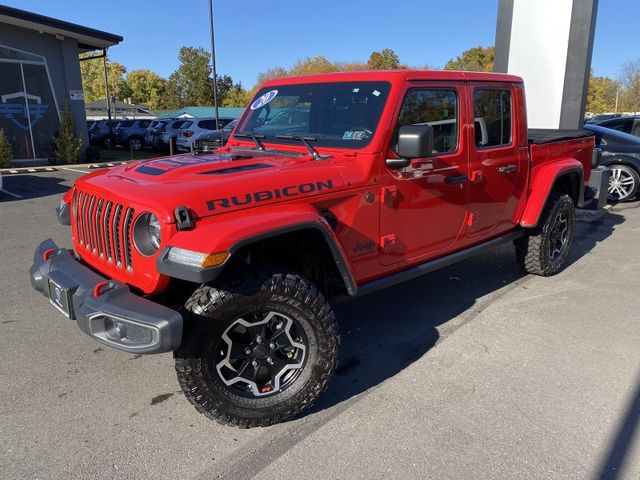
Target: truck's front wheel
column 258, row 349
column 544, row 249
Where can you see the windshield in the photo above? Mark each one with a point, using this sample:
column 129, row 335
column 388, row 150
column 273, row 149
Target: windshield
column 344, row 114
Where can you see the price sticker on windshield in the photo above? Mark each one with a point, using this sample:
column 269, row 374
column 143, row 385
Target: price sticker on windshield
column 262, row 100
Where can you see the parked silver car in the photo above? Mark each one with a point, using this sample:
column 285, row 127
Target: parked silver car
column 166, row 131
column 188, row 134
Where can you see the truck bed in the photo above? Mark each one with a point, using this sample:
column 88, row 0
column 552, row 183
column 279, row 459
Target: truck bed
column 541, row 136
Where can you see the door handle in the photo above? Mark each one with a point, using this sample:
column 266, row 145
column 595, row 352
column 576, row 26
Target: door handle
column 508, row 168
column 454, row 179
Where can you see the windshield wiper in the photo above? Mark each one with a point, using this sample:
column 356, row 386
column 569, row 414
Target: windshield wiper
column 254, row 137
column 305, row 141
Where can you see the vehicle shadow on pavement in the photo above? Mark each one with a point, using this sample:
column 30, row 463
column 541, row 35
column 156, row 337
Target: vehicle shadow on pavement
column 590, row 234
column 384, row 333
column 31, row 186
column 613, row 464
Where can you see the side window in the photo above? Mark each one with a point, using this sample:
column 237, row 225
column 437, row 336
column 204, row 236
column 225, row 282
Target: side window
column 492, row 117
column 636, row 129
column 438, row 108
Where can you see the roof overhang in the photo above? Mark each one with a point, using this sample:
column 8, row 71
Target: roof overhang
column 88, row 38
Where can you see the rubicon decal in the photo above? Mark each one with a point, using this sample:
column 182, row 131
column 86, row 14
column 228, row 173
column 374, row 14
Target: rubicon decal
column 266, row 195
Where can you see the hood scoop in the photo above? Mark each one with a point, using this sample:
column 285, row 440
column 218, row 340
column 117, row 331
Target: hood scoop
column 238, row 169
column 168, row 164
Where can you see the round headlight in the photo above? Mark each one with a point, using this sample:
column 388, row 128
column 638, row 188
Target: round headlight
column 146, row 234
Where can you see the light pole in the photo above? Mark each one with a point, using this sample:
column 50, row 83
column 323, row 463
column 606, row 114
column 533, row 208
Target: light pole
column 213, row 67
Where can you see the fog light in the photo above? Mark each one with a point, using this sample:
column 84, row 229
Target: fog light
column 114, row 329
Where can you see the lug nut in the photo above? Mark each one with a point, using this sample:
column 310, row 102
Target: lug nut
column 258, row 339
column 254, row 363
column 289, row 354
column 269, row 361
column 272, row 345
column 247, row 351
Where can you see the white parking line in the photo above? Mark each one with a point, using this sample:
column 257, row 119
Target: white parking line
column 73, row 169
column 15, row 195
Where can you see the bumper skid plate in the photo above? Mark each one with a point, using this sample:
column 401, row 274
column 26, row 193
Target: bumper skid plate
column 116, row 317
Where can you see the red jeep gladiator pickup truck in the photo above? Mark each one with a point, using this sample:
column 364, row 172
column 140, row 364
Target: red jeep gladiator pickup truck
column 331, row 186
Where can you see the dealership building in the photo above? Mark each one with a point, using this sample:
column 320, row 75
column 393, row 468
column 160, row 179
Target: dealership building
column 39, row 74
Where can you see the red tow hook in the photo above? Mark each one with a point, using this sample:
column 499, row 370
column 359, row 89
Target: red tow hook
column 48, row 253
column 100, row 288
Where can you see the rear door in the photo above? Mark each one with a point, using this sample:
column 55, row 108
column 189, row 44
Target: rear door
column 498, row 165
column 423, row 206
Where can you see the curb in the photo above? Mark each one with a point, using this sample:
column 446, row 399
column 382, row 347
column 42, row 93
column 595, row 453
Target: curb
column 19, row 170
column 15, row 171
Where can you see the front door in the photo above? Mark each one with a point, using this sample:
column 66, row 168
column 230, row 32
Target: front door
column 423, row 206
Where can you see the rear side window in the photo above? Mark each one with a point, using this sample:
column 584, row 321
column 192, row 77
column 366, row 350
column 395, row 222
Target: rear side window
column 438, row 108
column 636, row 129
column 185, row 124
column 492, row 117
column 207, row 124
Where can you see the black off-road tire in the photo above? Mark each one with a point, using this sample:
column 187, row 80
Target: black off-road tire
column 533, row 251
column 214, row 308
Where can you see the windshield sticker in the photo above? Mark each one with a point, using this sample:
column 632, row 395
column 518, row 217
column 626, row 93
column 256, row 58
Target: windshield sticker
column 355, row 90
column 264, row 99
column 376, row 93
column 355, row 135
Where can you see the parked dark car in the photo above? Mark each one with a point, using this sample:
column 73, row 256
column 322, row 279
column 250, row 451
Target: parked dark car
column 99, row 132
column 131, row 133
column 215, row 139
column 621, row 153
column 602, row 117
column 629, row 124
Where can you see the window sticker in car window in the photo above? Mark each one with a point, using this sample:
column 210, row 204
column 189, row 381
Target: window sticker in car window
column 355, row 135
column 264, row 99
column 376, row 93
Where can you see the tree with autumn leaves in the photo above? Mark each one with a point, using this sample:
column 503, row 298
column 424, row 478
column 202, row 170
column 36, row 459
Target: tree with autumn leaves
column 191, row 83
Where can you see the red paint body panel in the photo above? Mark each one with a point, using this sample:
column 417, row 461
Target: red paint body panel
column 387, row 220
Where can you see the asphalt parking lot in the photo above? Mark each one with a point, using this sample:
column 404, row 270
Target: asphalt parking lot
column 475, row 371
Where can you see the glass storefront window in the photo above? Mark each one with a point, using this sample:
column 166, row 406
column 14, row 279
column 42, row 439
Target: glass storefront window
column 28, row 112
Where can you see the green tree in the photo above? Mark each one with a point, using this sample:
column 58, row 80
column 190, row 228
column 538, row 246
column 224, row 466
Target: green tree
column 92, row 72
column 236, row 97
column 630, row 98
column 147, row 88
column 476, row 59
column 191, row 82
column 68, row 145
column 602, row 94
column 312, row 65
column 384, row 60
column 6, row 152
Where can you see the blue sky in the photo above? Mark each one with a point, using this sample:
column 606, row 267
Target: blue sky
column 252, row 36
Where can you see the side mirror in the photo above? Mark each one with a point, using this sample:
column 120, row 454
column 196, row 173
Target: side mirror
column 414, row 141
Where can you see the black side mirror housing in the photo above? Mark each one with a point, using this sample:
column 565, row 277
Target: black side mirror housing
column 414, row 141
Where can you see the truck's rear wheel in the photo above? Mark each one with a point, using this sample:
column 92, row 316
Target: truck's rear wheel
column 258, row 349
column 544, row 249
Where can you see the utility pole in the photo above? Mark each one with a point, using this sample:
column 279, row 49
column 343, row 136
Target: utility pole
column 107, row 96
column 213, row 67
column 617, row 96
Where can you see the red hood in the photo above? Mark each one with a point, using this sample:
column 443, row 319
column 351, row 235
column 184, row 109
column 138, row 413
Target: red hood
column 214, row 183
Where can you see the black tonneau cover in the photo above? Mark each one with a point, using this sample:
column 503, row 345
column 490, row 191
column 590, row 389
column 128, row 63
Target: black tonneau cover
column 550, row 135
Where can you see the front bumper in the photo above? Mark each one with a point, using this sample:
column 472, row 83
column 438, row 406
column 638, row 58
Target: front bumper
column 113, row 315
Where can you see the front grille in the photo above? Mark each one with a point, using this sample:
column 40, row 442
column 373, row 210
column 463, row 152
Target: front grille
column 103, row 228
